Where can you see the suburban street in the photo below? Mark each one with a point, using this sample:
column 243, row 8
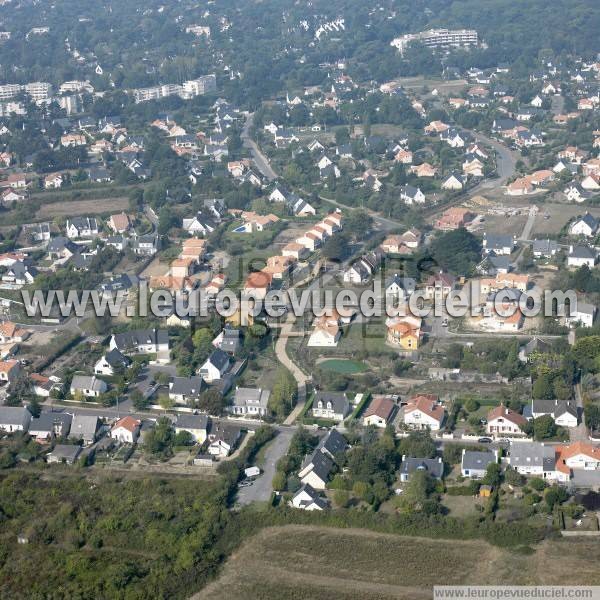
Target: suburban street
column 260, row 490
column 259, row 158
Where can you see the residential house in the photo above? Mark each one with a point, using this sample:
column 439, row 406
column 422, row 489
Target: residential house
column 424, row 412
column 14, row 418
column 78, row 227
column 11, row 333
column 580, row 255
column 257, row 284
column 50, row 425
column 223, row 439
column 307, row 498
column 326, row 332
column 112, row 362
column 404, row 332
column 454, row 218
column 544, row 248
column 330, row 405
column 84, row 427
column 88, row 385
column 579, row 455
column 141, row 341
column 9, row 370
column 120, row 223
column 474, row 463
column 411, row 195
column 564, row 412
column 434, row 467
column 586, row 226
column 398, row 289
column 19, row 274
column 439, row 285
column 250, row 402
column 537, row 460
column 63, row 453
column 575, row 193
column 502, row 421
column 126, row 430
column 196, row 425
column 332, row 444
column 315, row 470
column 454, row 181
column 215, row 366
column 186, row 390
column 498, row 244
column 380, row 412
column 42, row 386
column 581, row 315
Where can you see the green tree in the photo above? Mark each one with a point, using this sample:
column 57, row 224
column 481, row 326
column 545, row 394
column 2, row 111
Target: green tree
column 283, row 393
column 555, row 495
column 493, row 475
column 139, row 401
column 544, row 428
column 456, row 251
column 336, row 247
column 166, row 403
column 211, row 402
column 417, row 444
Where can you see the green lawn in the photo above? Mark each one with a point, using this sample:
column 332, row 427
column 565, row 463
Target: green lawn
column 342, row 365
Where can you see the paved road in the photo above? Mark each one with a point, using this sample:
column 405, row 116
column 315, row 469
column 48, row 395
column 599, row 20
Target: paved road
column 506, row 160
column 260, row 490
column 579, row 433
column 261, row 161
column 526, row 233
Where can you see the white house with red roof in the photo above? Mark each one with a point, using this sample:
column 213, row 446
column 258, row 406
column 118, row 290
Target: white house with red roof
column 505, row 421
column 126, row 430
column 424, row 412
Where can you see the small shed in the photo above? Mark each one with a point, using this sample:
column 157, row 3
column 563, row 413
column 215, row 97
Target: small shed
column 485, row 491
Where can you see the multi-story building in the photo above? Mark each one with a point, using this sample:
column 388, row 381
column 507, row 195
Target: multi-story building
column 436, row 38
column 189, row 89
column 38, row 90
column 9, row 90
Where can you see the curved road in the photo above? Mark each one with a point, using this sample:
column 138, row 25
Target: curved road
column 506, row 161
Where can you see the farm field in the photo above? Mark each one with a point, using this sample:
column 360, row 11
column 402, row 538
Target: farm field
column 558, row 215
column 82, row 207
column 302, row 562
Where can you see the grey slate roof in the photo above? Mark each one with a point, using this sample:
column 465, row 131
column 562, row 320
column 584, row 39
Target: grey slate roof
column 433, row 466
column 475, row 460
column 219, row 359
column 187, row 386
column 251, row 397
column 339, row 401
column 333, row 443
column 83, row 426
column 12, row 415
column 532, row 454
column 184, row 421
column 132, row 339
column 48, row 421
column 321, row 464
column 554, row 407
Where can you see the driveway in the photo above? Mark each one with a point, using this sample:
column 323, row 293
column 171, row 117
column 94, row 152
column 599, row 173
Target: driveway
column 260, row 490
